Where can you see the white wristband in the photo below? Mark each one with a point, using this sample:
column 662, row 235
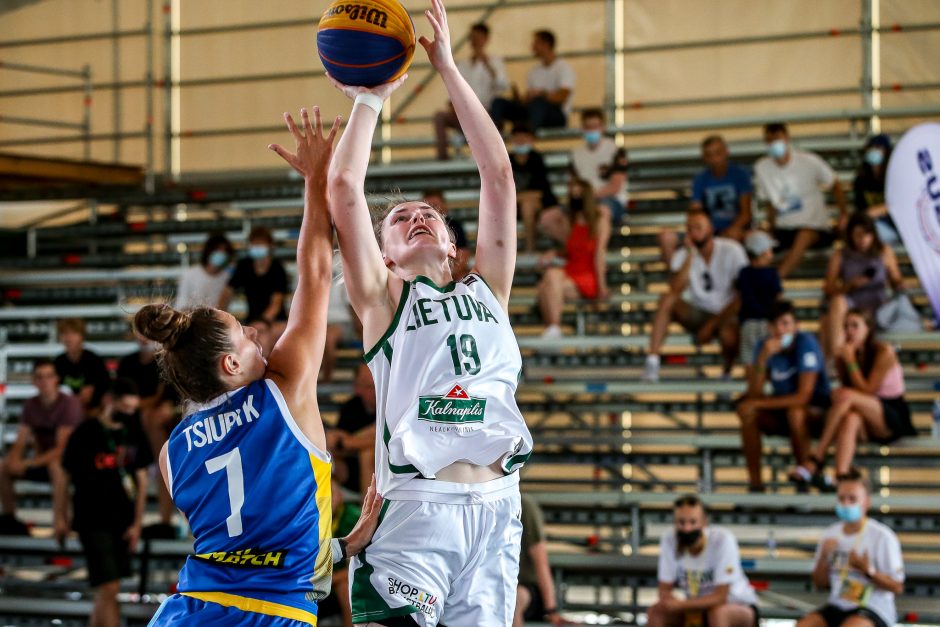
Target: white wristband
column 370, row 100
column 337, row 551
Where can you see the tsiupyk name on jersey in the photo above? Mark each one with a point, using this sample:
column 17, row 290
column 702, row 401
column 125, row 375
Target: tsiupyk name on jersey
column 446, row 373
column 256, row 493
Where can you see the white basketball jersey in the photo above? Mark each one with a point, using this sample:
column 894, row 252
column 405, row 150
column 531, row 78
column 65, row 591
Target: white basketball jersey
column 446, row 373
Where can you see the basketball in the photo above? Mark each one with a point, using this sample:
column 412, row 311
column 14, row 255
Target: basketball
column 366, row 43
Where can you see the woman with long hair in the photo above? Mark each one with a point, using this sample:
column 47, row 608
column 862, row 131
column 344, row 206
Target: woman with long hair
column 248, row 464
column 449, row 434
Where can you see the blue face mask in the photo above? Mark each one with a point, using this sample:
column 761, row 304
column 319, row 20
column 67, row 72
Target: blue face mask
column 777, row 148
column 218, row 258
column 849, row 513
column 521, row 149
column 874, row 156
column 592, row 137
column 258, row 252
column 786, row 341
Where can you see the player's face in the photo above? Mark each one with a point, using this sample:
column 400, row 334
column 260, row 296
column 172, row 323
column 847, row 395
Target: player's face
column 715, row 155
column 245, row 348
column 856, row 329
column 414, row 233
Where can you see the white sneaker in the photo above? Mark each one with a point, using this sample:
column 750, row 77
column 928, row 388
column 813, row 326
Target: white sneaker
column 651, row 371
column 552, row 332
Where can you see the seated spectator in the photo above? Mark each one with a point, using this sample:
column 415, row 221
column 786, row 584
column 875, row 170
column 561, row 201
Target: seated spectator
column 46, row 423
column 339, row 321
column 723, row 189
column 857, row 278
column 106, row 460
column 791, row 182
column 704, row 562
column 603, row 164
column 583, row 272
column 533, row 190
column 346, row 514
column 352, row 441
column 859, row 560
column 869, row 187
column 758, row 287
column 486, row 75
column 870, row 404
column 263, row 280
column 461, row 266
column 535, row 592
column 79, row 369
column 204, row 284
column 793, row 363
column 547, row 101
column 708, row 267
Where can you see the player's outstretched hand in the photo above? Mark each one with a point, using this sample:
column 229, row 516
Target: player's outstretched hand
column 313, row 150
column 439, row 51
column 383, row 91
column 361, row 535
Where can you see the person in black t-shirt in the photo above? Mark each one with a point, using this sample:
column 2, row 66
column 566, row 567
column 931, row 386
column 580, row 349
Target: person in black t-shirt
column 533, row 189
column 106, row 460
column 79, row 369
column 869, row 187
column 435, row 198
column 352, row 441
column 263, row 280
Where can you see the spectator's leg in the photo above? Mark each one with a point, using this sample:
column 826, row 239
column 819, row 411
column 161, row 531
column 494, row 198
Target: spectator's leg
column 729, row 336
column 799, row 433
column 530, row 203
column 833, row 424
column 852, row 429
column 60, row 483
column 668, row 243
column 334, row 333
column 502, row 111
column 858, row 621
column 554, row 287
column 341, row 590
column 107, row 612
column 555, row 224
column 544, row 114
column 659, row 616
column 606, row 219
column 669, row 305
column 731, row 615
column 7, row 495
column 813, row 619
column 751, row 443
column 523, row 599
column 869, row 407
column 833, row 335
column 803, row 240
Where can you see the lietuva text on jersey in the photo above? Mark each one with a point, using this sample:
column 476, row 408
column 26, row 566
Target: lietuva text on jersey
column 446, row 372
column 213, row 428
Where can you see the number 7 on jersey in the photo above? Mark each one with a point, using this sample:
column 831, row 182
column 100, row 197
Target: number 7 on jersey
column 232, row 463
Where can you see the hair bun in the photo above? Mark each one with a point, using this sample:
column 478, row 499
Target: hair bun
column 162, row 323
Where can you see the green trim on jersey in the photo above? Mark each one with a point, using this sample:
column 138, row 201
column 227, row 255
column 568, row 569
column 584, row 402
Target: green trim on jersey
column 516, row 460
column 405, row 291
column 398, row 470
column 443, row 290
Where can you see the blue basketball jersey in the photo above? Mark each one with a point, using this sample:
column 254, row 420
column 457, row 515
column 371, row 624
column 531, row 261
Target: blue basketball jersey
column 256, row 492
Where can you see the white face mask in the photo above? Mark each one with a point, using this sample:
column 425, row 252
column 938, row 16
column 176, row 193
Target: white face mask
column 777, row 148
column 786, row 341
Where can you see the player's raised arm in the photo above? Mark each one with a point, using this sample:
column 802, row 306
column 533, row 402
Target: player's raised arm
column 496, row 235
column 367, row 277
column 296, row 358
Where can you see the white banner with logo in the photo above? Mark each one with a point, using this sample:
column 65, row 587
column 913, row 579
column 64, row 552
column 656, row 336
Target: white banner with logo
column 912, row 193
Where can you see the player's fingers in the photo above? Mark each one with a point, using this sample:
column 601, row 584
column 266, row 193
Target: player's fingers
column 333, row 131
column 294, row 131
column 317, row 122
column 305, row 120
column 435, row 25
column 425, row 43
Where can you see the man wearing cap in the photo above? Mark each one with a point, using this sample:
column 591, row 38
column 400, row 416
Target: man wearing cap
column 758, row 286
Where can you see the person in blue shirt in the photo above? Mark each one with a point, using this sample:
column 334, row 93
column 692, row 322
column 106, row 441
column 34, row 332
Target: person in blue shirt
column 792, row 361
column 723, row 190
column 248, row 465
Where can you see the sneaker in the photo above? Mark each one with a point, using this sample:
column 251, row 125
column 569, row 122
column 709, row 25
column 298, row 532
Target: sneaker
column 552, row 332
column 651, row 370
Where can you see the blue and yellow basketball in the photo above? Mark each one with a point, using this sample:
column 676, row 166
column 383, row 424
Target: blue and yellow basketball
column 367, row 42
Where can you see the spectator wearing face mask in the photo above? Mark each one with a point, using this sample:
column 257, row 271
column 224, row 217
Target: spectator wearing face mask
column 263, row 280
column 869, row 187
column 704, row 562
column 859, row 561
column 603, row 164
column 204, row 284
column 791, row 183
column 708, row 268
column 533, row 190
column 792, row 361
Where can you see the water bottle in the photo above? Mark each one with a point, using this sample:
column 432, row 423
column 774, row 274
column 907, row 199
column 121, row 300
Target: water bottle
column 772, row 552
column 935, row 425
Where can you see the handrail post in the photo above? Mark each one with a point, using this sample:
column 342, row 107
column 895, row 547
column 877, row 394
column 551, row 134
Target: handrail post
column 86, row 106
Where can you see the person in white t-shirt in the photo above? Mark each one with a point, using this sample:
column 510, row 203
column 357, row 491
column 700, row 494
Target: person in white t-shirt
column 859, row 560
column 602, row 163
column 203, row 284
column 487, row 77
column 704, row 562
column 707, row 268
column 549, row 86
column 791, row 183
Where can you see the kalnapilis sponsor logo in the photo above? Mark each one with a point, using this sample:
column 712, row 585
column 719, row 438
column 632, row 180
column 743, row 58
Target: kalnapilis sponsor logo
column 455, row 407
column 413, row 596
column 246, row 558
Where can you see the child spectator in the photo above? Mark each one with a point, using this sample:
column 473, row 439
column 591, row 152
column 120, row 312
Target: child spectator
column 584, row 270
column 793, row 363
column 869, row 187
column 205, row 283
column 859, row 560
column 533, row 189
column 704, row 562
column 758, row 288
column 870, row 404
column 857, row 278
column 79, row 369
column 46, row 423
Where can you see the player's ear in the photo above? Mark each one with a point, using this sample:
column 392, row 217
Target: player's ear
column 388, row 262
column 230, row 365
column 452, row 251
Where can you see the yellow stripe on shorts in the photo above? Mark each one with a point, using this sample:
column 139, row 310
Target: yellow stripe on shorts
column 254, row 605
